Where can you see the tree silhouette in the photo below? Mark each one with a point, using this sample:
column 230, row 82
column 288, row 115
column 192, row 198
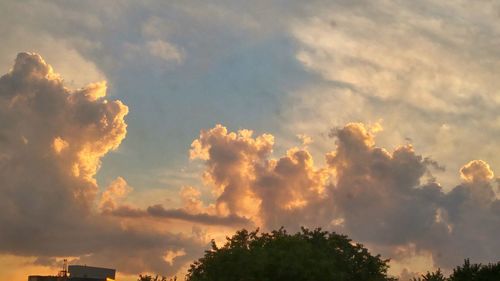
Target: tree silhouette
column 431, row 276
column 466, row 272
column 278, row 256
column 156, row 278
column 308, row 255
column 476, row 272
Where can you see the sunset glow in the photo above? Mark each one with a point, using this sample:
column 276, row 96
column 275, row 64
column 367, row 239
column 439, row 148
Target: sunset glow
column 133, row 134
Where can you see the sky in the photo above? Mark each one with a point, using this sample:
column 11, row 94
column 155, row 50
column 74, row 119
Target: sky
column 132, row 133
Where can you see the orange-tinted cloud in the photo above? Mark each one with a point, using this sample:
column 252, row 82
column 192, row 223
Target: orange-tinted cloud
column 117, row 190
column 476, row 171
column 52, row 139
column 384, row 198
column 230, row 159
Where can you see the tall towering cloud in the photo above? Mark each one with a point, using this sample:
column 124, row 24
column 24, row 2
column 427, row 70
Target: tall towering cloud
column 230, row 159
column 472, row 210
column 52, row 140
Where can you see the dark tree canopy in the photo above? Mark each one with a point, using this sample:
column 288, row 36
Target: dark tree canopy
column 431, row 276
column 466, row 272
column 476, row 272
column 155, row 278
column 305, row 256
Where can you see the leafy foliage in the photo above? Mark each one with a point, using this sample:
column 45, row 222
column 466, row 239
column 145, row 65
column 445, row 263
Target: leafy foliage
column 476, row 272
column 431, row 276
column 309, row 255
column 278, row 256
column 466, row 272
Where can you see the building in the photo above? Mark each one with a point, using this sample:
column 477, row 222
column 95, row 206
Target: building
column 44, row 278
column 83, row 271
column 79, row 273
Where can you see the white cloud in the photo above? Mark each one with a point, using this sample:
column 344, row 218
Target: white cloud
column 413, row 65
column 165, row 50
column 77, row 70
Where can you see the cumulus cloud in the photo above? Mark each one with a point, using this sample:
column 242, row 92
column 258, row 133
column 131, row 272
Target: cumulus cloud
column 476, row 171
column 380, row 197
column 230, row 157
column 427, row 68
column 52, row 141
column 191, row 201
column 472, row 210
column 53, row 138
column 379, row 193
column 117, row 190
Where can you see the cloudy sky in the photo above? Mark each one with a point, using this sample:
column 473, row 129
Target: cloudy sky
column 134, row 132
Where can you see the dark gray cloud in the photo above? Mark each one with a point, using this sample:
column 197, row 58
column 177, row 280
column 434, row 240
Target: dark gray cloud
column 386, row 198
column 158, row 211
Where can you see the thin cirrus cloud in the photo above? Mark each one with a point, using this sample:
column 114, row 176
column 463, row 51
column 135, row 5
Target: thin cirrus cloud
column 157, row 50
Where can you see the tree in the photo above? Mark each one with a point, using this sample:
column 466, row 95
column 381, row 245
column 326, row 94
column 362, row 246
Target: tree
column 476, row 272
column 278, row 256
column 156, row 278
column 431, row 276
column 466, row 272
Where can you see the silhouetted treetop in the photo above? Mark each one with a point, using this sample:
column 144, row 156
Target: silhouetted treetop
column 466, row 272
column 476, row 272
column 309, row 255
column 431, row 276
column 155, row 278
